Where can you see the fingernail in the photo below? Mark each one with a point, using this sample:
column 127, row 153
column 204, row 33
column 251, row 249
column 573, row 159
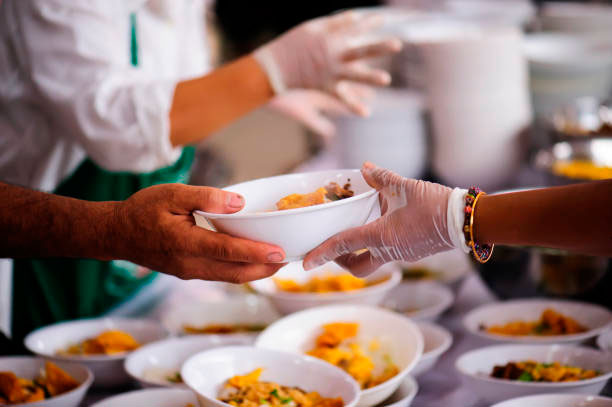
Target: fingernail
column 235, row 201
column 275, row 257
column 368, row 165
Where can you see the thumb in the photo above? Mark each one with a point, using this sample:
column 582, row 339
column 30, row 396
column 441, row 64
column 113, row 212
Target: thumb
column 379, row 178
column 207, row 199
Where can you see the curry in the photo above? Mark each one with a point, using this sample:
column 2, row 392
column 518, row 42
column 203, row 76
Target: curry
column 550, row 323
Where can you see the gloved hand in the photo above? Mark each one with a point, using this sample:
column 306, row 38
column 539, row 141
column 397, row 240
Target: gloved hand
column 326, row 54
column 418, row 219
column 312, row 107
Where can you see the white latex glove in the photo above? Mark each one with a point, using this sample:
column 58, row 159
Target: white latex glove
column 313, row 109
column 418, row 219
column 326, row 54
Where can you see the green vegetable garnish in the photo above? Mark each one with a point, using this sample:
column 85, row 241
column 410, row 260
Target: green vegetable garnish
column 263, row 401
column 175, row 378
column 283, row 400
column 525, row 377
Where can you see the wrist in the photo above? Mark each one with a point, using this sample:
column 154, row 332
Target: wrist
column 267, row 62
column 455, row 219
column 112, row 228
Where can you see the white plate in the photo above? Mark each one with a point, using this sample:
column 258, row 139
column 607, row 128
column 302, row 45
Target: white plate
column 29, row 368
column 420, row 301
column 404, row 395
column 596, row 318
column 107, row 369
column 151, row 398
column 300, row 230
column 297, row 332
column 557, row 400
column 152, row 363
column 475, row 367
column 207, row 372
column 245, row 309
column 437, row 341
column 288, row 302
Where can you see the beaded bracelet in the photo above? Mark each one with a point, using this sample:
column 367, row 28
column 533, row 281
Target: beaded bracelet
column 482, row 252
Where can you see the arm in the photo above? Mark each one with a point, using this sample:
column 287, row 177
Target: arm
column 153, row 228
column 574, row 217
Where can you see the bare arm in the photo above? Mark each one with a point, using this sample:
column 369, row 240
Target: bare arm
column 575, row 217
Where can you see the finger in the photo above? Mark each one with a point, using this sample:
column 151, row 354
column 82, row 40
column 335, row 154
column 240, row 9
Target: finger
column 362, row 73
column 365, row 23
column 345, row 92
column 341, row 20
column 343, row 243
column 360, row 265
column 373, row 50
column 329, row 104
column 232, row 249
column 318, row 123
column 377, row 177
column 191, row 198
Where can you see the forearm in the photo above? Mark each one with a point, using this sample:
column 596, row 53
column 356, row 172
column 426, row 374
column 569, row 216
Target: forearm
column 37, row 224
column 204, row 105
column 575, row 218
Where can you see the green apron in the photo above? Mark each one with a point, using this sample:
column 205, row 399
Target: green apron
column 51, row 290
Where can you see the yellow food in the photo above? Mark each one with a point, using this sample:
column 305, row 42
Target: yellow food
column 53, row 381
column 322, row 284
column 581, row 169
column 550, row 323
column 248, row 391
column 329, row 193
column 107, row 343
column 221, row 329
column 531, row 371
column 337, row 345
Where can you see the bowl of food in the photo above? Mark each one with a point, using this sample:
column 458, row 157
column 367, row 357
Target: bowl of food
column 243, row 376
column 421, row 301
column 242, row 316
column 557, row 400
column 538, row 321
column 158, row 364
column 152, row 398
column 101, row 344
column 604, row 341
column 404, row 395
column 293, row 289
column 437, row 341
column 378, row 347
column 583, row 118
column 28, row 381
column 297, row 211
column 502, row 372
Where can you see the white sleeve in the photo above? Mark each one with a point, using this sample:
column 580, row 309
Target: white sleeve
column 76, row 53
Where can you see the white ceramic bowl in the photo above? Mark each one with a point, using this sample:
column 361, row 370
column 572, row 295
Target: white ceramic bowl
column 151, row 398
column 288, row 302
column 245, row 309
column 300, row 230
column 107, row 369
column 596, row 318
column 557, row 400
column 420, row 301
column 297, row 332
column 404, row 395
column 207, row 372
column 475, row 367
column 29, row 368
column 152, row 363
column 437, row 341
column 604, row 341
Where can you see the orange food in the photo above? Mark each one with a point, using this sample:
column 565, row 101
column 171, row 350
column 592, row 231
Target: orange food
column 221, row 329
column 53, row 381
column 550, row 323
column 329, row 193
column 107, row 343
column 323, row 284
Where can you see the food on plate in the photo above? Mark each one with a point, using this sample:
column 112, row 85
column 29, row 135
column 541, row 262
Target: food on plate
column 248, row 391
column 51, row 382
column 106, row 343
column 531, row 371
column 163, row 375
column 331, row 192
column 222, row 329
column 339, row 345
column 581, row 169
column 325, row 283
column 550, row 323
column 418, row 273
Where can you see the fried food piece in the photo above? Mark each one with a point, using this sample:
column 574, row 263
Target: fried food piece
column 531, row 371
column 335, row 192
column 294, row 201
column 57, row 381
column 323, row 284
column 334, row 333
column 107, row 343
column 245, row 380
column 12, row 388
column 550, row 323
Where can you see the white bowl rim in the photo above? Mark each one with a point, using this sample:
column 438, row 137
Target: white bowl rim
column 541, row 396
column 142, row 391
column 537, row 339
column 601, row 340
column 414, row 390
column 446, row 295
column 90, row 358
column 308, row 358
column 86, row 383
column 286, row 212
column 394, row 278
column 402, row 373
column 559, row 385
column 446, row 343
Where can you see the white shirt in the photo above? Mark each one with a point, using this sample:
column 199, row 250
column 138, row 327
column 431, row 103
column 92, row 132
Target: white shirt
column 68, row 90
